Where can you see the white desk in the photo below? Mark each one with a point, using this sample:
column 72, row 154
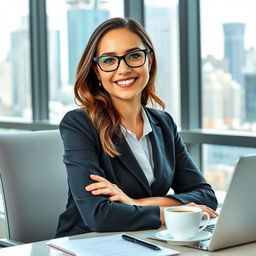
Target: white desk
column 41, row 249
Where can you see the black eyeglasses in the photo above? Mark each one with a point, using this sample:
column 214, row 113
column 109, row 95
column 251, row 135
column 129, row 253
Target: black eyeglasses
column 133, row 59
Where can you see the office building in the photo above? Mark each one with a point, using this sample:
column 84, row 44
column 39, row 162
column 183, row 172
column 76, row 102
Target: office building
column 5, row 91
column 162, row 26
column 250, row 97
column 54, row 62
column 20, row 70
column 250, row 87
column 234, row 49
column 81, row 22
column 221, row 98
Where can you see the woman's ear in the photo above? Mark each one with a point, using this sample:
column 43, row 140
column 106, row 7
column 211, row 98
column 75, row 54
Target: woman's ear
column 95, row 69
column 150, row 60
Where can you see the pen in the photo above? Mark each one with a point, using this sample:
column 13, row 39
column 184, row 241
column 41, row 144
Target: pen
column 141, row 242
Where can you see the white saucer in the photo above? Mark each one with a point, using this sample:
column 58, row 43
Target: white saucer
column 165, row 235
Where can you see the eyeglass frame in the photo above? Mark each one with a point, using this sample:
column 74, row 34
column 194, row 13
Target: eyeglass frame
column 146, row 51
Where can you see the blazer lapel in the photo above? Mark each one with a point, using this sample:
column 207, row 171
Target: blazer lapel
column 158, row 151
column 128, row 159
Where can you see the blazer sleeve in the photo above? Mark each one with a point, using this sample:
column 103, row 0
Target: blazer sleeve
column 82, row 157
column 189, row 184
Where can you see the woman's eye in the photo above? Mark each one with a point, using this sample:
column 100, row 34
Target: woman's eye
column 108, row 60
column 135, row 55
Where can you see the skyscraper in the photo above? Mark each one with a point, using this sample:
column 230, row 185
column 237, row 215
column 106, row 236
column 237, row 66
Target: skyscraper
column 162, row 26
column 234, row 49
column 54, row 63
column 221, row 98
column 5, row 89
column 20, row 68
column 81, row 23
column 250, row 86
column 250, row 97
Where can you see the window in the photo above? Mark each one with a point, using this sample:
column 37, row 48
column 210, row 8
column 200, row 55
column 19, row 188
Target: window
column 228, row 56
column 228, row 65
column 15, row 90
column 219, row 165
column 70, row 24
column 161, row 22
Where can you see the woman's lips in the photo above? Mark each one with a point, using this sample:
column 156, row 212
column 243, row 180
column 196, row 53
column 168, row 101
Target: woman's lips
column 124, row 83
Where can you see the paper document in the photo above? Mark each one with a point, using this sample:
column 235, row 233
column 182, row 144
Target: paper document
column 106, row 245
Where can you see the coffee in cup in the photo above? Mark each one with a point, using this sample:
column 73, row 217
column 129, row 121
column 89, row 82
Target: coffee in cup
column 183, row 222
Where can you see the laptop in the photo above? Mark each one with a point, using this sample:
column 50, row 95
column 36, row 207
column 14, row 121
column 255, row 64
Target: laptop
column 236, row 223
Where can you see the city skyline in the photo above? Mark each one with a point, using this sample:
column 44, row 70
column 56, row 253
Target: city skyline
column 170, row 74
column 214, row 13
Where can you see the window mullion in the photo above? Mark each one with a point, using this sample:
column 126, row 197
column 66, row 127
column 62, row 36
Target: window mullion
column 134, row 9
column 190, row 64
column 39, row 60
column 190, row 70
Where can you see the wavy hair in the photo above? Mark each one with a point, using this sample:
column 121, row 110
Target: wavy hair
column 94, row 99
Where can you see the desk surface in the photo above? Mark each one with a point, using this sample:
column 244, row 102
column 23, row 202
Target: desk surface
column 41, row 249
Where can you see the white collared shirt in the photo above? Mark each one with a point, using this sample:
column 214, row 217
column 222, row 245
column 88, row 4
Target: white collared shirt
column 142, row 148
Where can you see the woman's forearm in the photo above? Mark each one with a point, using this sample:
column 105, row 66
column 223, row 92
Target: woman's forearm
column 162, row 202
column 157, row 201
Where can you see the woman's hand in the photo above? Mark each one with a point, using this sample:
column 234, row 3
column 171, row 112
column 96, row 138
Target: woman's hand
column 103, row 187
column 205, row 208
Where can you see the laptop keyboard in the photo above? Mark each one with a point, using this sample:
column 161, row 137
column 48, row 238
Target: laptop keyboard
column 209, row 228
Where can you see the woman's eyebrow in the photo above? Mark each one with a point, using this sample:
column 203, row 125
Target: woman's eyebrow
column 127, row 51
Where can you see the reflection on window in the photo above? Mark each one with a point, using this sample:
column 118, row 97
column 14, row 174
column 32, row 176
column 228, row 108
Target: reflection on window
column 228, row 64
column 219, row 163
column 161, row 22
column 70, row 24
column 15, row 92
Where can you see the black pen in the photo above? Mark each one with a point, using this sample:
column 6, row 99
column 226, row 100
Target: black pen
column 141, row 242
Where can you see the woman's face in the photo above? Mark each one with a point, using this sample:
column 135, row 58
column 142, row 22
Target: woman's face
column 124, row 83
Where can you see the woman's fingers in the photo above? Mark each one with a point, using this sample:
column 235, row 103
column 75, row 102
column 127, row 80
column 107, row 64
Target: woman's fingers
column 115, row 198
column 103, row 187
column 101, row 183
column 210, row 211
column 205, row 208
column 98, row 178
column 103, row 191
column 96, row 185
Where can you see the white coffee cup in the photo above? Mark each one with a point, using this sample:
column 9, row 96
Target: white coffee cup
column 183, row 222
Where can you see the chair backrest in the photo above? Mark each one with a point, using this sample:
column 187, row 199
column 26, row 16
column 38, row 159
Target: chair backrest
column 34, row 183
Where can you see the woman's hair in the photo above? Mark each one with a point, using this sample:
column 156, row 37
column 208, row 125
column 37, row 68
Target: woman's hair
column 94, row 99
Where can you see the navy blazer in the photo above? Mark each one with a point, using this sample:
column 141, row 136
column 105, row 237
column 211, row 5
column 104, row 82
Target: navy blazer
column 84, row 155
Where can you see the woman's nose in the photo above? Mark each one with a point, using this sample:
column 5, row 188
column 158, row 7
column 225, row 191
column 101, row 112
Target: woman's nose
column 123, row 67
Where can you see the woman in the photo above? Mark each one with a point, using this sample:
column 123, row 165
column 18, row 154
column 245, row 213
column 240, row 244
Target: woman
column 122, row 157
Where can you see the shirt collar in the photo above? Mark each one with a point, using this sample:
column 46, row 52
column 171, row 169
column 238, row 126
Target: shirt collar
column 147, row 126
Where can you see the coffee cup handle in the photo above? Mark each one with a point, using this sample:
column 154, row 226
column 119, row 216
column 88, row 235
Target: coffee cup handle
column 207, row 221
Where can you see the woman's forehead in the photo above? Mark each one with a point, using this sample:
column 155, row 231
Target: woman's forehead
column 118, row 41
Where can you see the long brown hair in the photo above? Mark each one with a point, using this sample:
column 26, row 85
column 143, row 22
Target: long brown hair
column 94, row 99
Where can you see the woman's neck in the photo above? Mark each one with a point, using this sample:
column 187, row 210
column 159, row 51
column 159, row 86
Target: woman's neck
column 131, row 117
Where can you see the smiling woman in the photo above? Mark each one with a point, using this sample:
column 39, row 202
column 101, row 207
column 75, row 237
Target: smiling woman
column 123, row 157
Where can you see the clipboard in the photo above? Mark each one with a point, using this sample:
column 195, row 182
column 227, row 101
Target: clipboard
column 112, row 245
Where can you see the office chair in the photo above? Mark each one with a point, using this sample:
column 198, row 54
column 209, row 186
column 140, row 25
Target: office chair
column 34, row 184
